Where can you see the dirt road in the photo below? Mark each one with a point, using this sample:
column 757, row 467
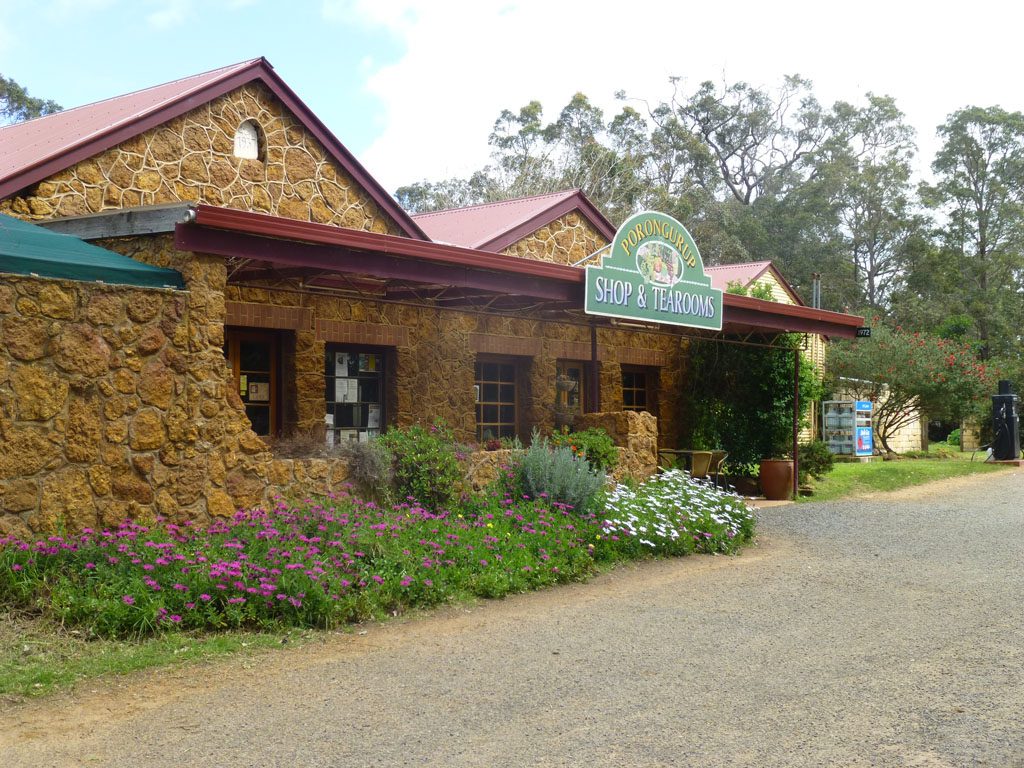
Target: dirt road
column 881, row 632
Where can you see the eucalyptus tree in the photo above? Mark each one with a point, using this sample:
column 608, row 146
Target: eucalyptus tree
column 867, row 169
column 757, row 142
column 980, row 194
column 16, row 105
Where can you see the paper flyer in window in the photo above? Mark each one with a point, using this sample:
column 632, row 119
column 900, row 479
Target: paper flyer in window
column 341, row 364
column 346, row 390
column 259, row 392
column 373, row 417
column 367, row 363
column 364, row 437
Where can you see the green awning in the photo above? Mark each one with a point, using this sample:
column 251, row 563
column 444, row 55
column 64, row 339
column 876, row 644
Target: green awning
column 26, row 249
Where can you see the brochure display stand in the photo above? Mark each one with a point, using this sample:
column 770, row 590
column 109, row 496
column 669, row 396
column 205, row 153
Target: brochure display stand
column 846, row 427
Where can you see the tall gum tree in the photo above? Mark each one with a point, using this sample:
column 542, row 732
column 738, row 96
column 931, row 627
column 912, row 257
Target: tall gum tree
column 980, row 192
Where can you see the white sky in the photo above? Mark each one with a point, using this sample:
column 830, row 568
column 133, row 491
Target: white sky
column 412, row 87
column 465, row 61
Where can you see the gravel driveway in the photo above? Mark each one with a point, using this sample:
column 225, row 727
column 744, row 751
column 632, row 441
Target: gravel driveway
column 880, row 632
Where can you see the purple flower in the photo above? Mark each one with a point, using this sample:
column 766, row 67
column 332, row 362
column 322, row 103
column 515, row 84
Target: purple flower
column 128, row 600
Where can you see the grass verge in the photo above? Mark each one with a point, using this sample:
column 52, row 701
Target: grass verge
column 38, row 657
column 855, row 478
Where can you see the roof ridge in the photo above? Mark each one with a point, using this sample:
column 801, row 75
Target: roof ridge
column 238, row 65
column 496, row 203
column 738, row 264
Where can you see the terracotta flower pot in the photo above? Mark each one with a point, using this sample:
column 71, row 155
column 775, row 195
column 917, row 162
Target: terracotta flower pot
column 777, row 479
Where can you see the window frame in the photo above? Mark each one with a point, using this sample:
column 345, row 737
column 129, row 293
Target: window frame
column 382, row 376
column 651, row 376
column 479, row 384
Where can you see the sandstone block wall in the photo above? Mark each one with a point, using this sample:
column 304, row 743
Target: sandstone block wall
column 191, row 159
column 567, row 240
column 636, row 435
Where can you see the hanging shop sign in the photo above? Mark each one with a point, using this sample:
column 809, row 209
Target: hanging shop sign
column 654, row 273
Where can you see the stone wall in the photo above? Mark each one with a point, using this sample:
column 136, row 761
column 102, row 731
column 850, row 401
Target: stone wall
column 117, row 402
column 114, row 404
column 566, row 240
column 636, row 434
column 191, row 159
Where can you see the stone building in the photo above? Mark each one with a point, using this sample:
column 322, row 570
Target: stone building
column 312, row 302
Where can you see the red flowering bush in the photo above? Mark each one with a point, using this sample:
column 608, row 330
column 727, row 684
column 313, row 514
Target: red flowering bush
column 907, row 374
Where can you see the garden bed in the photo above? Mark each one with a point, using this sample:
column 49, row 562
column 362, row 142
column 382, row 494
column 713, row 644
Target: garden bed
column 341, row 560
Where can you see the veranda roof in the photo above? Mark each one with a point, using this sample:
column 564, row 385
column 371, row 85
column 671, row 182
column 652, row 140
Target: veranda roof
column 26, row 249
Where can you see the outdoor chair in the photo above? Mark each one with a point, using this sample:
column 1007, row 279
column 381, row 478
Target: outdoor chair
column 717, row 461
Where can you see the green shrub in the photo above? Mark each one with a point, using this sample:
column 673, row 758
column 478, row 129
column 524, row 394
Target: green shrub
column 741, row 399
column 954, row 438
column 426, row 467
column 816, row 461
column 594, row 443
column 559, row 475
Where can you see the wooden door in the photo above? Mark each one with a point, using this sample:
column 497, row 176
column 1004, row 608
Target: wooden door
column 254, row 358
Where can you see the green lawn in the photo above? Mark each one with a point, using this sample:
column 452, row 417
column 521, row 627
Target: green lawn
column 855, row 478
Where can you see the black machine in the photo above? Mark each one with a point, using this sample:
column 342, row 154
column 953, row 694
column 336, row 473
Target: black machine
column 1005, row 424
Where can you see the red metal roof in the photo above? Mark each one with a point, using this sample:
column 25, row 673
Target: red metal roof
column 33, row 150
column 324, row 248
column 745, row 274
column 495, row 226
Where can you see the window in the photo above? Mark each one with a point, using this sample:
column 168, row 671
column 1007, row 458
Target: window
column 574, row 399
column 639, row 389
column 247, row 141
column 496, row 406
column 355, row 393
column 254, row 361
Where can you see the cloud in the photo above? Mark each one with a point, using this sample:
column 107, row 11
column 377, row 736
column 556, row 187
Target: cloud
column 464, row 62
column 173, row 13
column 63, row 10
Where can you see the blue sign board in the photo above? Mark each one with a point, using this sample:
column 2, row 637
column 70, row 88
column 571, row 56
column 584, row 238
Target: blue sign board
column 865, row 442
column 863, row 405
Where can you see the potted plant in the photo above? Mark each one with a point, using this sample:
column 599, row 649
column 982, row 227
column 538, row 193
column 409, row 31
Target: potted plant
column 776, row 478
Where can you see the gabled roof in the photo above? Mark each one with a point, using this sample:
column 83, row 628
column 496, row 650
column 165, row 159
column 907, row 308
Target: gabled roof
column 747, row 273
column 36, row 149
column 496, row 226
column 26, row 249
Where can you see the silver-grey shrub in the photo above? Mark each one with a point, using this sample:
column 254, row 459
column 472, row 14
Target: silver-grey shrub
column 560, row 476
